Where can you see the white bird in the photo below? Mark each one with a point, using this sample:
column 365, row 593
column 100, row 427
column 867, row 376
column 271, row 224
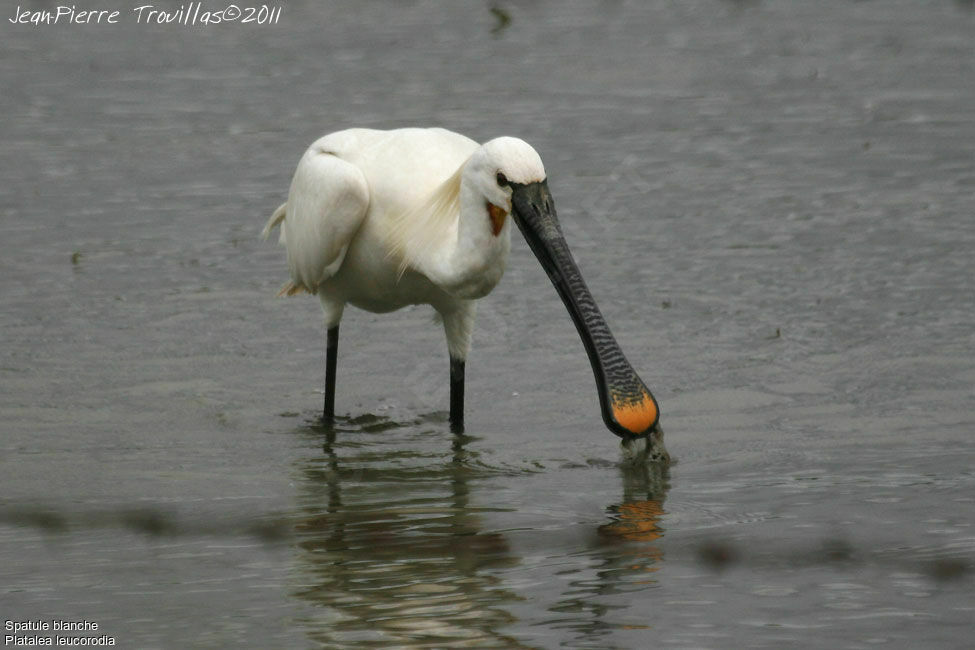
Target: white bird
column 386, row 219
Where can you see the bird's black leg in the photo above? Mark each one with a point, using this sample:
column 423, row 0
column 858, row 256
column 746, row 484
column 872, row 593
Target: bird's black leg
column 331, row 356
column 456, row 395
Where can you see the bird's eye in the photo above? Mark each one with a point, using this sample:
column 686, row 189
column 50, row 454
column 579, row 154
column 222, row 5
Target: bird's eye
column 502, row 180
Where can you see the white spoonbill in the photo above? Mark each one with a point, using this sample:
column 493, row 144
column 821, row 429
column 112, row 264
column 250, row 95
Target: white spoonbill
column 385, row 219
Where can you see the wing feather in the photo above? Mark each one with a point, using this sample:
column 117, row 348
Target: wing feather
column 417, row 232
column 326, row 205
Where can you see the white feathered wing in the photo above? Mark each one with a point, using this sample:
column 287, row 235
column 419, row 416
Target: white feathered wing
column 326, row 204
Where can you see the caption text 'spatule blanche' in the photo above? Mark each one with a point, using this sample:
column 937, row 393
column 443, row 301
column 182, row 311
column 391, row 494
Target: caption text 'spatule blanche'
column 36, row 632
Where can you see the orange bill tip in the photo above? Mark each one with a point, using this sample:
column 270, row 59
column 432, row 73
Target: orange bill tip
column 636, row 417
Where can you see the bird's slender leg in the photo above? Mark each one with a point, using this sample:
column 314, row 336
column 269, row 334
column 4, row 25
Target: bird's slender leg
column 331, row 357
column 456, row 395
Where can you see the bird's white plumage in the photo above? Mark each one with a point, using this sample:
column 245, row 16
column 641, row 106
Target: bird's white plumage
column 326, row 205
column 385, row 219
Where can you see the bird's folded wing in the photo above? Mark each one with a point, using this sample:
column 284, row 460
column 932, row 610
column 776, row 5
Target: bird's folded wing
column 326, row 205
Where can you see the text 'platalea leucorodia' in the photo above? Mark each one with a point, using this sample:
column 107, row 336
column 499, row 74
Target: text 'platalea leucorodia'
column 385, row 219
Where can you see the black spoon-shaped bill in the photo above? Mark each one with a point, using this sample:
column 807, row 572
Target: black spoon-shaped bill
column 628, row 407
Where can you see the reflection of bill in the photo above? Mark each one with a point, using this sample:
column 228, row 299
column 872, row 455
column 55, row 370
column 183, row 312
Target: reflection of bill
column 624, row 558
column 636, row 521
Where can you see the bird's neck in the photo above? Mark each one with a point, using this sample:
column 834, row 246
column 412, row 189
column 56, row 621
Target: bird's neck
column 472, row 261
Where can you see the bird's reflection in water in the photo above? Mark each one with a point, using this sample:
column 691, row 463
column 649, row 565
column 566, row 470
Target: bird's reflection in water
column 637, row 518
column 392, row 551
column 624, row 556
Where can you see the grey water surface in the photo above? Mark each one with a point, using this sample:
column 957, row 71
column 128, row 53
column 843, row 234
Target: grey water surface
column 771, row 201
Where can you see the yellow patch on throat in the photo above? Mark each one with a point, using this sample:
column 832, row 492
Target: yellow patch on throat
column 497, row 216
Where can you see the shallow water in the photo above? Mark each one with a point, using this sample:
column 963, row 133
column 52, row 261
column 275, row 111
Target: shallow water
column 772, row 204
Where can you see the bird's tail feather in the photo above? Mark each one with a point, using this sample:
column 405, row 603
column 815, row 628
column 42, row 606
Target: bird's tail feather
column 276, row 218
column 291, row 289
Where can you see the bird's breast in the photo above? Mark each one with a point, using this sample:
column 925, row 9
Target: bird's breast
column 475, row 282
column 370, row 279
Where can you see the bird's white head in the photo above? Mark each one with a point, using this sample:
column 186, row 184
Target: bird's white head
column 498, row 163
column 514, row 158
